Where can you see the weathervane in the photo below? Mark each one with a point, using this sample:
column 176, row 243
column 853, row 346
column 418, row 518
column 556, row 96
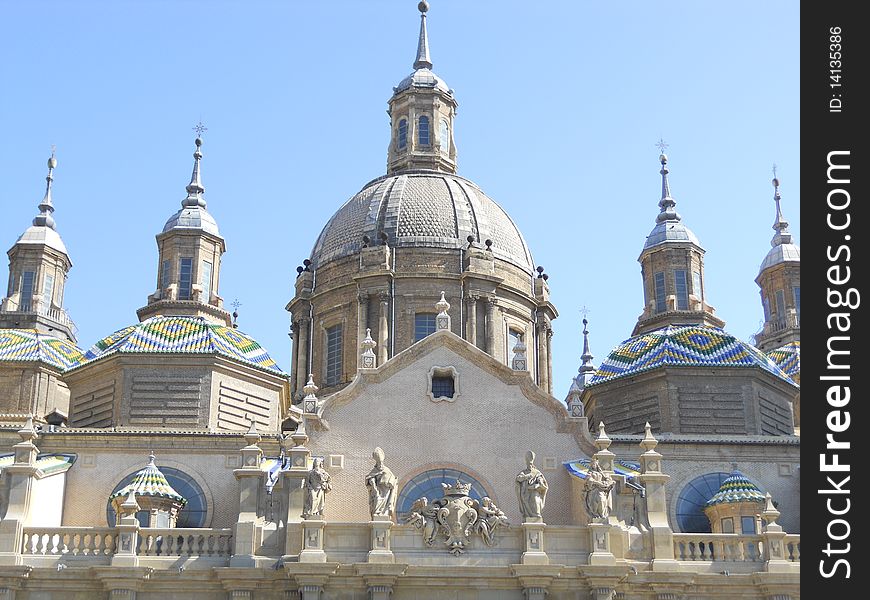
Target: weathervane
column 53, row 148
column 661, row 145
column 200, row 129
column 236, row 304
column 585, row 312
column 774, row 170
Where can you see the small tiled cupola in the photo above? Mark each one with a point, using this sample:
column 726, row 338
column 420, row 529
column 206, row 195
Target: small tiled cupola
column 736, row 507
column 153, row 494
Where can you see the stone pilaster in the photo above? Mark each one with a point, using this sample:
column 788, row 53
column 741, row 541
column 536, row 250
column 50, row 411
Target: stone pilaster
column 533, row 534
column 654, row 480
column 301, row 338
column 471, row 322
column 599, row 540
column 362, row 316
column 248, row 528
column 491, row 304
column 20, row 476
column 383, row 329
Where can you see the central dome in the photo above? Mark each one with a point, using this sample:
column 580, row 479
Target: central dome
column 428, row 209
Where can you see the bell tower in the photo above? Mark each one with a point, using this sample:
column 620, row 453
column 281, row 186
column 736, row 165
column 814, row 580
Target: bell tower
column 38, row 267
column 422, row 111
column 190, row 249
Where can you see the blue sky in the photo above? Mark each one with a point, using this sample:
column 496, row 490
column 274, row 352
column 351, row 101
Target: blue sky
column 560, row 105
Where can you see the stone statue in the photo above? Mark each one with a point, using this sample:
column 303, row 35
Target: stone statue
column 531, row 487
column 382, row 486
column 489, row 518
column 317, row 484
column 423, row 516
column 597, row 489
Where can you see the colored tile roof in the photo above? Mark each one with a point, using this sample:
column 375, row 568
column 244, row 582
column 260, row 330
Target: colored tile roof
column 682, row 346
column 34, row 346
column 787, row 358
column 184, row 335
column 736, row 488
column 580, row 467
column 48, row 463
column 150, row 481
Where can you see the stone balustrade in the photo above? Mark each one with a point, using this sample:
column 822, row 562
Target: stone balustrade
column 185, row 542
column 69, row 541
column 793, row 547
column 725, row 547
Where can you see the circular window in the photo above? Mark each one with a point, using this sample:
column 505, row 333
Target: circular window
column 428, row 484
column 192, row 515
column 692, row 500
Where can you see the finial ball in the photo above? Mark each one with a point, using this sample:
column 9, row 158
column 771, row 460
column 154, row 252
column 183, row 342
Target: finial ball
column 198, row 141
column 52, row 162
column 776, row 182
column 663, row 158
column 423, row 6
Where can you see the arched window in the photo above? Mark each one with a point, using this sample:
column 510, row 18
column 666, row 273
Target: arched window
column 692, row 500
column 194, row 512
column 403, row 133
column 444, row 136
column 429, row 483
column 423, row 131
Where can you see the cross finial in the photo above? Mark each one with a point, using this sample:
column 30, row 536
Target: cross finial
column 661, row 145
column 200, row 129
column 236, row 304
column 53, row 148
column 774, row 170
column 584, row 311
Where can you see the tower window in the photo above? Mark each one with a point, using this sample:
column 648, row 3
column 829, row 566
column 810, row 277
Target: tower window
column 165, row 274
column 47, row 290
column 442, row 386
column 514, row 336
column 444, row 135
column 403, row 133
column 333, row 354
column 797, row 301
column 682, row 287
column 27, row 280
column 747, row 525
column 659, row 279
column 205, row 280
column 780, row 305
column 728, row 525
column 766, row 304
column 185, row 274
column 696, row 284
column 423, row 131
column 424, row 324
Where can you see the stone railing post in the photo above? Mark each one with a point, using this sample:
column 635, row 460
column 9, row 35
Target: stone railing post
column 774, row 540
column 599, row 527
column 20, row 475
column 128, row 534
column 654, row 480
column 248, row 528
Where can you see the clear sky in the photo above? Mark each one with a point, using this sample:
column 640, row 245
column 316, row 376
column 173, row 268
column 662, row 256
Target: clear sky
column 560, row 106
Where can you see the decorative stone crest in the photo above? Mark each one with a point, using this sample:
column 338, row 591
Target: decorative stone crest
column 367, row 359
column 456, row 517
column 382, row 485
column 317, row 485
column 442, row 319
column 531, row 487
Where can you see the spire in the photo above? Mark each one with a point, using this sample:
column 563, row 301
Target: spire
column 423, row 61
column 667, row 204
column 586, row 357
column 195, row 188
column 44, row 218
column 780, row 225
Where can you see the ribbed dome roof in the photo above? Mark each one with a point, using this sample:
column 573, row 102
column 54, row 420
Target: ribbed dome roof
column 670, row 231
column 184, row 335
column 192, row 217
column 737, row 488
column 33, row 346
column 682, row 346
column 428, row 209
column 781, row 253
column 41, row 234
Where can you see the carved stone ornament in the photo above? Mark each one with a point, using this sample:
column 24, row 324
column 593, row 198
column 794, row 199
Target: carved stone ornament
column 531, row 487
column 456, row 517
column 382, row 485
column 317, row 484
column 597, row 488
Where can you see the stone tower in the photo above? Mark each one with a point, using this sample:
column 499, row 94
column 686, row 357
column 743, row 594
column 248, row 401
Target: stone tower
column 190, row 249
column 383, row 259
column 780, row 281
column 672, row 268
column 38, row 267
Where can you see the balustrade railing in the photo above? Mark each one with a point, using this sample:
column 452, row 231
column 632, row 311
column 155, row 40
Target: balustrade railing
column 185, row 542
column 69, row 541
column 793, row 548
column 718, row 547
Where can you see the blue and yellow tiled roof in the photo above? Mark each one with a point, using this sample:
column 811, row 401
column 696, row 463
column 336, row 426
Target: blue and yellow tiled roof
column 150, row 481
column 47, row 463
column 682, row 346
column 787, row 358
column 31, row 345
column 737, row 488
column 184, row 335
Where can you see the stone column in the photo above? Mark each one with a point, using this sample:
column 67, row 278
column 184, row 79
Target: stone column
column 248, row 528
column 383, row 331
column 774, row 540
column 549, row 338
column 654, row 480
column 543, row 356
column 20, row 475
column 471, row 323
column 363, row 317
column 491, row 303
column 302, row 355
